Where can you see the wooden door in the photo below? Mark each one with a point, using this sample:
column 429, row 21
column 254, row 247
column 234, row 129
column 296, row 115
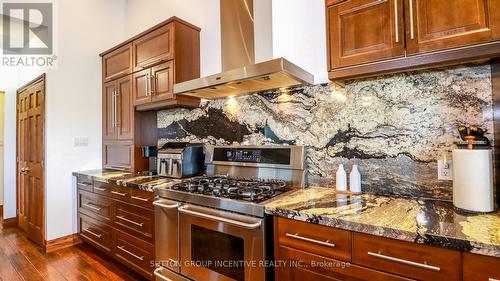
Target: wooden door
column 435, row 25
column 30, row 159
column 154, row 48
column 125, row 109
column 364, row 31
column 117, row 63
column 162, row 80
column 109, row 111
column 140, row 87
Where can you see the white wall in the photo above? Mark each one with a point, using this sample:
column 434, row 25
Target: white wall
column 73, row 105
column 2, row 98
column 142, row 14
column 299, row 29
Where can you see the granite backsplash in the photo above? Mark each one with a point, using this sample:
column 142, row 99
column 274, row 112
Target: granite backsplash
column 395, row 126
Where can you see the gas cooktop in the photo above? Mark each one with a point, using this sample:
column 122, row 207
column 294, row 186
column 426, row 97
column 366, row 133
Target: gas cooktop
column 251, row 190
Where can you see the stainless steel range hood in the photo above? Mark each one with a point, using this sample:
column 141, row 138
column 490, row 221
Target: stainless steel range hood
column 241, row 75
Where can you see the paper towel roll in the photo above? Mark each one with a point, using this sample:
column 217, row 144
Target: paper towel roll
column 473, row 180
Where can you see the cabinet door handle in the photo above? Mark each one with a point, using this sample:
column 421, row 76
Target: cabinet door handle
column 396, row 20
column 97, row 209
column 323, row 243
column 117, row 94
column 140, row 224
column 84, row 184
column 140, row 198
column 152, row 87
column 113, row 109
column 117, row 168
column 141, row 258
column 158, row 274
column 493, row 279
column 147, row 85
column 412, row 29
column 93, row 233
column 406, row 262
column 100, row 188
column 119, row 193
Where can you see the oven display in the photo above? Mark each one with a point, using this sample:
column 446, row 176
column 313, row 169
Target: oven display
column 260, row 155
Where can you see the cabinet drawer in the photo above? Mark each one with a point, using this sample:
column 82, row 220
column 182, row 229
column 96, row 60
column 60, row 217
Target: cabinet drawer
column 117, row 63
column 303, row 266
column 316, row 239
column 407, row 259
column 134, row 220
column 142, row 198
column 95, row 232
column 137, row 254
column 119, row 192
column 84, row 183
column 154, row 48
column 94, row 205
column 102, row 188
column 481, row 268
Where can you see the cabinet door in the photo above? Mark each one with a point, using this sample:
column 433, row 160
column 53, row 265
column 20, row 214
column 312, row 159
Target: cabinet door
column 435, row 25
column 154, row 48
column 363, row 31
column 125, row 109
column 162, row 80
column 140, row 87
column 117, row 63
column 118, row 155
column 480, row 268
column 109, row 111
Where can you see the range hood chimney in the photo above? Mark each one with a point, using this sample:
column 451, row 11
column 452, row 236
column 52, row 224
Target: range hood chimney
column 240, row 74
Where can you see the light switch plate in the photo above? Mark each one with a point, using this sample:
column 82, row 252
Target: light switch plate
column 81, row 141
column 445, row 173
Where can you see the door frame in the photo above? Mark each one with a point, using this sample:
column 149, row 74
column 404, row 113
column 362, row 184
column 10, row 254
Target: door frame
column 42, row 77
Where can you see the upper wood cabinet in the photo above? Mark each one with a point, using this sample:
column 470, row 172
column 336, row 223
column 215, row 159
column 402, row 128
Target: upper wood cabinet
column 371, row 37
column 118, row 111
column 362, row 31
column 117, row 63
column 154, row 48
column 434, row 25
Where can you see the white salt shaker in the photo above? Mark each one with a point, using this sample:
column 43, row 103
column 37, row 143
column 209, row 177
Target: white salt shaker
column 341, row 181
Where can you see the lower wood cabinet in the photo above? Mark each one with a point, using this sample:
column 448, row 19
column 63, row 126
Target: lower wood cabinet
column 406, row 259
column 306, row 251
column 480, row 268
column 110, row 220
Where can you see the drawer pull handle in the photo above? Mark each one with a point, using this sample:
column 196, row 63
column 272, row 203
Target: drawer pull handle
column 130, row 221
column 493, row 279
column 119, row 193
column 100, row 188
column 83, row 184
column 97, row 209
column 161, row 205
column 93, row 233
column 324, row 243
column 402, row 261
column 141, row 258
column 140, row 198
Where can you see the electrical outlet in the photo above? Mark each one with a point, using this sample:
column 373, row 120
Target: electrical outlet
column 81, row 141
column 445, row 172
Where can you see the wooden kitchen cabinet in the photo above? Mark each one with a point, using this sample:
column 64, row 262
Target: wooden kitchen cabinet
column 117, row 63
column 434, row 25
column 363, row 31
column 140, row 87
column 124, row 231
column 480, row 268
column 154, row 84
column 118, row 111
column 373, row 37
column 153, row 48
column 118, row 155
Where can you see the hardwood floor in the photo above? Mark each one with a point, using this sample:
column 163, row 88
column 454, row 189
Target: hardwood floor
column 21, row 260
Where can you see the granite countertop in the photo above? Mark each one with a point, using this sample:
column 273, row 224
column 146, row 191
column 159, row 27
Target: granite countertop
column 430, row 222
column 126, row 179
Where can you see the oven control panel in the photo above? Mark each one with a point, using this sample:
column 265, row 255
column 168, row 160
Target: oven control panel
column 279, row 156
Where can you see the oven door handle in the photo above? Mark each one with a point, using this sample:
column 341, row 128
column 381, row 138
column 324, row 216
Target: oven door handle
column 160, row 204
column 185, row 210
column 159, row 275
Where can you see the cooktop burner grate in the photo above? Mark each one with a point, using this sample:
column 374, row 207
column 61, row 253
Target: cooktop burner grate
column 252, row 190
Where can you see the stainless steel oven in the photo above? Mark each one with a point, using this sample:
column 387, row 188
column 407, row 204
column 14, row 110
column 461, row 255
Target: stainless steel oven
column 214, row 227
column 220, row 246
